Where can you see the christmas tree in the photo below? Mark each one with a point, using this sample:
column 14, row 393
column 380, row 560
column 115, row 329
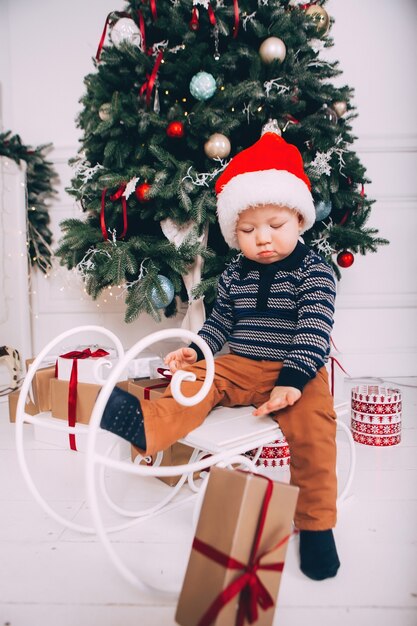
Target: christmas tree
column 179, row 87
column 40, row 180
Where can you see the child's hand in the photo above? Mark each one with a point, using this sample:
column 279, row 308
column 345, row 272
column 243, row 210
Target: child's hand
column 280, row 398
column 178, row 359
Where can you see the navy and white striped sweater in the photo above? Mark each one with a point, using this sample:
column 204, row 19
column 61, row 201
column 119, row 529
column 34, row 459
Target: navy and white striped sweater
column 277, row 312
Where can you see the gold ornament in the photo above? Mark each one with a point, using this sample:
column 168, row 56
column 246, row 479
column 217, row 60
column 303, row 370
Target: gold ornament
column 217, row 146
column 339, row 107
column 320, row 18
column 272, row 49
column 104, row 111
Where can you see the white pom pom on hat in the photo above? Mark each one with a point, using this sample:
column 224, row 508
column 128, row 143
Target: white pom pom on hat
column 270, row 171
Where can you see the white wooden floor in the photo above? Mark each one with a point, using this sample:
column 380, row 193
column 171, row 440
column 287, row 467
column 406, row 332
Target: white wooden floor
column 51, row 576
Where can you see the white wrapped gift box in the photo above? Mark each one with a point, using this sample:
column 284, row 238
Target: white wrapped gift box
column 93, row 370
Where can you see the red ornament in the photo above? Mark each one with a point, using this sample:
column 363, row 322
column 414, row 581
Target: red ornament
column 175, row 130
column 142, row 192
column 194, row 23
column 345, row 258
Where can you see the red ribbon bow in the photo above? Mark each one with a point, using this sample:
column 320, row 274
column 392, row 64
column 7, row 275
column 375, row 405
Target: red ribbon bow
column 75, row 355
column 248, row 584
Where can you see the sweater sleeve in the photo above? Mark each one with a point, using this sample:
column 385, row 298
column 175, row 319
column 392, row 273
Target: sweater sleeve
column 217, row 327
column 311, row 343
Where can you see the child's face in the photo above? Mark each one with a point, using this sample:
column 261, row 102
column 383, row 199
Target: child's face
column 268, row 233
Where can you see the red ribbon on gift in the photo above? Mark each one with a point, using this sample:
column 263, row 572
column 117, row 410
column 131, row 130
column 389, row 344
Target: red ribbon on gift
column 248, row 584
column 75, row 355
column 147, row 390
column 118, row 195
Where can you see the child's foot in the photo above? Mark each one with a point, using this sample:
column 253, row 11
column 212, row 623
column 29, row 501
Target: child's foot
column 123, row 416
column 318, row 554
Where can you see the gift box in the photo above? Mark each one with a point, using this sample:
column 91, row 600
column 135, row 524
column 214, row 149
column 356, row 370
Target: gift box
column 238, row 553
column 86, row 395
column 376, row 415
column 275, row 455
column 41, row 386
column 178, row 453
column 145, row 365
column 30, row 407
column 91, row 366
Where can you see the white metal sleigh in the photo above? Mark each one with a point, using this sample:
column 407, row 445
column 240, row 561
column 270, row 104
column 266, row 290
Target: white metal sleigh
column 215, row 442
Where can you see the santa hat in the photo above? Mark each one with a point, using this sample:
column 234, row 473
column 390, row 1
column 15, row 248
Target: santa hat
column 268, row 172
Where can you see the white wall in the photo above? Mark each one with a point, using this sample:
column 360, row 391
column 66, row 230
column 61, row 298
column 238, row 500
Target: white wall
column 42, row 82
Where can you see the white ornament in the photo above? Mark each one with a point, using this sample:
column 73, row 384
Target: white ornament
column 248, row 18
column 125, row 31
column 203, row 178
column 272, row 49
column 130, row 187
column 275, row 83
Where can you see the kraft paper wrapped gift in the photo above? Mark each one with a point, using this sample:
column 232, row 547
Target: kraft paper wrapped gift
column 41, row 386
column 238, row 553
column 86, row 398
column 30, row 408
column 178, row 453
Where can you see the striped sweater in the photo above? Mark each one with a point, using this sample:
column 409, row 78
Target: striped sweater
column 277, row 312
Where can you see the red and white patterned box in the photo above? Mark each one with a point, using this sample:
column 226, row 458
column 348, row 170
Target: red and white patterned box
column 376, row 415
column 274, row 455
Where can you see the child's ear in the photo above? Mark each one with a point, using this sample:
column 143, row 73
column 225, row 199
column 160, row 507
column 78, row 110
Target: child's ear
column 300, row 221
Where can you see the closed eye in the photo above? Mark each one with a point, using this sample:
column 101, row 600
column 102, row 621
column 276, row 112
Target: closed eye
column 275, row 226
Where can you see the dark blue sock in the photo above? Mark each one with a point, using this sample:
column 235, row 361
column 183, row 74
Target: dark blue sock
column 123, row 416
column 318, row 554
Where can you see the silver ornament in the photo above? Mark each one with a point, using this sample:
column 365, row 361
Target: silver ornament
column 125, row 31
column 217, row 146
column 329, row 114
column 202, row 86
column 323, row 210
column 272, row 49
column 161, row 301
column 104, row 112
column 339, row 107
column 271, row 127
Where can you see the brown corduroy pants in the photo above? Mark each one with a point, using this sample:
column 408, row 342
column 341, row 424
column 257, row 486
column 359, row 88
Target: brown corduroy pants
column 309, row 427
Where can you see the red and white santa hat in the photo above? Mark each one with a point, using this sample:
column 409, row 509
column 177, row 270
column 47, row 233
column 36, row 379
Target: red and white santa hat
column 270, row 171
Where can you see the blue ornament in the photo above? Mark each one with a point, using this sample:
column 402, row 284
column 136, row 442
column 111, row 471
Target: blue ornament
column 159, row 301
column 323, row 210
column 202, row 86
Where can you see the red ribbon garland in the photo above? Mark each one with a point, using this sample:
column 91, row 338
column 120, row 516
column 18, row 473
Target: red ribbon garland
column 148, row 85
column 142, row 29
column 236, row 24
column 106, row 24
column 118, row 195
column 73, row 384
column 248, row 584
